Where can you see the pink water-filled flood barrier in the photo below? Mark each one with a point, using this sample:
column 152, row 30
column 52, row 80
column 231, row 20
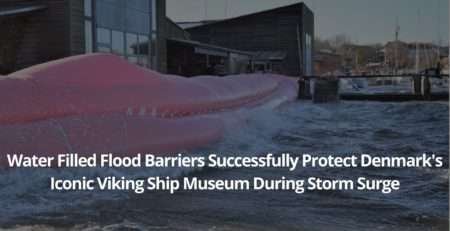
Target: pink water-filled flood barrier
column 100, row 103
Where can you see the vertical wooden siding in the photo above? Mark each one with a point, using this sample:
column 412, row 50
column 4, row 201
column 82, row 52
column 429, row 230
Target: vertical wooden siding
column 274, row 30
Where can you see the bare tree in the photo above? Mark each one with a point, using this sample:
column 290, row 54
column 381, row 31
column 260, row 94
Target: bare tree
column 340, row 40
column 320, row 44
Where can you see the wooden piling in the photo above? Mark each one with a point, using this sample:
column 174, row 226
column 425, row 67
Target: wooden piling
column 304, row 89
column 417, row 85
column 426, row 88
column 326, row 90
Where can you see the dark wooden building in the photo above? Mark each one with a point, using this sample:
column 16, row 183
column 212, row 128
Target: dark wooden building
column 37, row 31
column 288, row 31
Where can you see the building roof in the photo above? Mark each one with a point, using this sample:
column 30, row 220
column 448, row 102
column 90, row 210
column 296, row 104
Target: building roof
column 209, row 46
column 15, row 10
column 174, row 23
column 213, row 22
column 190, row 24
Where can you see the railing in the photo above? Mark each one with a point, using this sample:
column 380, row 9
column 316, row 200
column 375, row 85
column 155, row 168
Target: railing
column 326, row 88
column 376, row 76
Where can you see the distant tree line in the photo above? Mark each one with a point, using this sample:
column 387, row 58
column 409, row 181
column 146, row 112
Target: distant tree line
column 391, row 55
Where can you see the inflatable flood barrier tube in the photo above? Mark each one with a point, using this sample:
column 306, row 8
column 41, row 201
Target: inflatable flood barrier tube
column 101, row 103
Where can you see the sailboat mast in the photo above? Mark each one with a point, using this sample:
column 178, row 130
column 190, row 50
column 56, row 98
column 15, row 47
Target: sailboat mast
column 226, row 8
column 397, row 31
column 417, row 43
column 206, row 10
column 439, row 30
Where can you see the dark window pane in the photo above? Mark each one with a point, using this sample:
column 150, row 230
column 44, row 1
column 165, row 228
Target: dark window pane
column 118, row 42
column 144, row 44
column 132, row 44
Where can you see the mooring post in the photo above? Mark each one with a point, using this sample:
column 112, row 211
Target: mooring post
column 426, row 88
column 303, row 89
column 417, row 85
column 326, row 90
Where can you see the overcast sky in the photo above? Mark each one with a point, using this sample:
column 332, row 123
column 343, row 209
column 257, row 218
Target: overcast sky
column 365, row 21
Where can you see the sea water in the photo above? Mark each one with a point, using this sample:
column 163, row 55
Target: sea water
column 403, row 129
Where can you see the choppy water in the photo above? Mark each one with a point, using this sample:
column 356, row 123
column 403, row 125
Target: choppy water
column 302, row 127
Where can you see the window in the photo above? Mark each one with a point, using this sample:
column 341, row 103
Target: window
column 88, row 8
column 104, row 49
column 88, row 36
column 144, row 61
column 113, row 2
column 133, row 59
column 137, row 22
column 104, row 36
column 154, row 51
column 153, row 12
column 144, row 44
column 140, row 5
column 110, row 15
column 132, row 44
column 125, row 28
column 117, row 43
column 308, row 54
